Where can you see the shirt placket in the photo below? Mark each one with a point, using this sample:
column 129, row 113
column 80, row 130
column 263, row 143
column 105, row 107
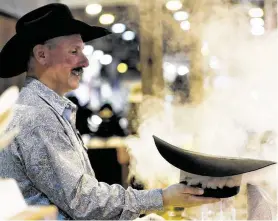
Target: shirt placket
column 72, row 121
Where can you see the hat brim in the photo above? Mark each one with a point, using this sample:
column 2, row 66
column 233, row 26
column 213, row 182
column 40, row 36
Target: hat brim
column 206, row 165
column 15, row 54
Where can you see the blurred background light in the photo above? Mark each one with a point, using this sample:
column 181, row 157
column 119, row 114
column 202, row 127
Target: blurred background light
column 106, row 91
column 182, row 70
column 173, row 5
column 106, row 19
column 168, row 67
column 122, row 68
column 181, row 15
column 169, row 72
column 256, row 12
column 96, row 119
column 128, row 35
column 123, row 122
column 185, row 25
column 170, row 76
column 97, row 54
column 118, row 28
column 92, row 71
column 88, row 50
column 256, row 21
column 106, row 59
column 82, row 93
column 257, row 30
column 93, row 9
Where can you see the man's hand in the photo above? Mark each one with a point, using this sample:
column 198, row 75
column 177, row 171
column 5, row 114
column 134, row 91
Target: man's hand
column 180, row 195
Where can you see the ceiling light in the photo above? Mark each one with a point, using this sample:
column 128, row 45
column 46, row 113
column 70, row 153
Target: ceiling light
column 106, row 59
column 185, row 25
column 106, row 19
column 93, row 9
column 256, row 12
column 181, row 15
column 122, row 68
column 256, row 21
column 88, row 50
column 118, row 28
column 173, row 5
column 128, row 35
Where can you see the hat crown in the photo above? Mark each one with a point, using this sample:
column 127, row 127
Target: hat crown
column 44, row 15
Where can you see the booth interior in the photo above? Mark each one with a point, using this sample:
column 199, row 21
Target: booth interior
column 200, row 75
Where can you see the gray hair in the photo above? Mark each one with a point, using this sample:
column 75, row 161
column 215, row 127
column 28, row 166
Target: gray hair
column 51, row 43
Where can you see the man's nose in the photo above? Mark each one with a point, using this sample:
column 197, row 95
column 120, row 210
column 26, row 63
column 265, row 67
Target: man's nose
column 84, row 61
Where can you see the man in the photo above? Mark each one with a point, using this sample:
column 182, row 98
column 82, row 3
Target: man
column 47, row 158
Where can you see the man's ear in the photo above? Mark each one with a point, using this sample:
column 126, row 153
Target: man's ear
column 41, row 54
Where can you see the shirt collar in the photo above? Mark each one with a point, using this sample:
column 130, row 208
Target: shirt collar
column 56, row 101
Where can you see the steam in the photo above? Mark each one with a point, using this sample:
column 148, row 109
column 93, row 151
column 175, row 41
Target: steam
column 238, row 115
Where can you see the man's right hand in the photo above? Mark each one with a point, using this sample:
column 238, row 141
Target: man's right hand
column 180, row 195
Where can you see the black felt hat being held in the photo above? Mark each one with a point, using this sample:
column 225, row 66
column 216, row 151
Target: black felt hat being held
column 38, row 26
column 219, row 176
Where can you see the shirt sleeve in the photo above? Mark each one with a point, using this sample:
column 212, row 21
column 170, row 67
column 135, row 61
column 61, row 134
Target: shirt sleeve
column 56, row 169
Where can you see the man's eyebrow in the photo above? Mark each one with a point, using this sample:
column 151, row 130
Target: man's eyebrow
column 77, row 46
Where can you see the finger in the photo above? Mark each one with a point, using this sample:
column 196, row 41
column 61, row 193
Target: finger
column 193, row 190
column 203, row 200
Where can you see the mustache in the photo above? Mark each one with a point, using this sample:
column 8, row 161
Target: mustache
column 78, row 69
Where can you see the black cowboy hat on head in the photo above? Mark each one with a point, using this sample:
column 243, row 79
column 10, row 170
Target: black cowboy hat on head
column 38, row 26
column 221, row 176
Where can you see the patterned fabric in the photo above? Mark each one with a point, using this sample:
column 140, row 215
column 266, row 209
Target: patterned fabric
column 51, row 166
column 260, row 206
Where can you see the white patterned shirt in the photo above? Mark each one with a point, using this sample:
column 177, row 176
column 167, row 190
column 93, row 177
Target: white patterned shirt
column 51, row 166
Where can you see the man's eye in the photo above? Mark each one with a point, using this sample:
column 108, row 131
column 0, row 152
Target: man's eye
column 74, row 52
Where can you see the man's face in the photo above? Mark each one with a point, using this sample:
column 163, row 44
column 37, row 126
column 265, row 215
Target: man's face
column 66, row 62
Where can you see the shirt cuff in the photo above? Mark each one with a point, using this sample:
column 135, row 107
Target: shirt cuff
column 151, row 200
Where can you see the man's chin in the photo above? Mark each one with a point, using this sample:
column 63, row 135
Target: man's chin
column 74, row 85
